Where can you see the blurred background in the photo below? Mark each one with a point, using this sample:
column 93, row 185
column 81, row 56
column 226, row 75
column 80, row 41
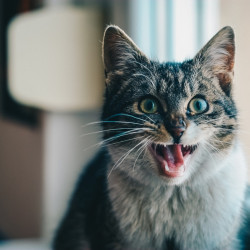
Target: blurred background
column 51, row 85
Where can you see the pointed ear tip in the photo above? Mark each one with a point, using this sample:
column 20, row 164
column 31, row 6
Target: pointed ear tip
column 229, row 30
column 112, row 29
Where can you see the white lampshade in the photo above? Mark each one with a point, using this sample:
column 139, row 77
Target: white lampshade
column 54, row 57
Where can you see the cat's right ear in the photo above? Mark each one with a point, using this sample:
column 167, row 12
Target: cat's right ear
column 119, row 51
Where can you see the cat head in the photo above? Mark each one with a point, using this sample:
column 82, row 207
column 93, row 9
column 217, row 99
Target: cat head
column 168, row 122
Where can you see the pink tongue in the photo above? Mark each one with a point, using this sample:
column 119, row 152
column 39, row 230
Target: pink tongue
column 173, row 156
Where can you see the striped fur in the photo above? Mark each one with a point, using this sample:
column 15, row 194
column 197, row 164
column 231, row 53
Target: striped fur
column 136, row 206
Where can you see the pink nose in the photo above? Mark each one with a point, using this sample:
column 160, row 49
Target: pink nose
column 177, row 132
column 176, row 127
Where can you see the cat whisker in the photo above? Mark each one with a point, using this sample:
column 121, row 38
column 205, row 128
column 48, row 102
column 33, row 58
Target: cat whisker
column 128, row 115
column 146, row 147
column 119, row 142
column 208, row 152
column 112, row 129
column 121, row 159
column 149, row 118
column 104, row 142
column 222, row 143
column 209, row 145
column 216, row 139
column 100, row 122
column 124, row 140
column 122, row 134
column 132, row 131
column 142, row 148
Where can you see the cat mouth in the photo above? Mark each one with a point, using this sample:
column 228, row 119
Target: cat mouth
column 172, row 158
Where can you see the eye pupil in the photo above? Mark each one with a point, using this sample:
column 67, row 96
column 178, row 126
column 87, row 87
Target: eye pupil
column 149, row 105
column 198, row 105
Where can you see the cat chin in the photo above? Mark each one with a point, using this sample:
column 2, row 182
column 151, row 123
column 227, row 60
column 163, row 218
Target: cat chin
column 175, row 180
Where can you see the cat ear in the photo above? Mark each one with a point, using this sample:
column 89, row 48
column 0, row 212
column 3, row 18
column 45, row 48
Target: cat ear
column 118, row 49
column 217, row 57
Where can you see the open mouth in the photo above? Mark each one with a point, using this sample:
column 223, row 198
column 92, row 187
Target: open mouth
column 172, row 158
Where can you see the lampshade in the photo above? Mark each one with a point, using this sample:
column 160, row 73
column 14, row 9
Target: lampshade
column 54, row 59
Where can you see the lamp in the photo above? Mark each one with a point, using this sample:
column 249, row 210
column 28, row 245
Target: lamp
column 55, row 59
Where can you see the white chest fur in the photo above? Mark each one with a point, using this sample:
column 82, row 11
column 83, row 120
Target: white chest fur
column 200, row 216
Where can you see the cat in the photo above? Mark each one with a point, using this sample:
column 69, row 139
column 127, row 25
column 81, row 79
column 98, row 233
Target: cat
column 172, row 174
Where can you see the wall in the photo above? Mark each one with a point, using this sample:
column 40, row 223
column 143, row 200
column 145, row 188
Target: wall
column 66, row 152
column 20, row 180
column 236, row 14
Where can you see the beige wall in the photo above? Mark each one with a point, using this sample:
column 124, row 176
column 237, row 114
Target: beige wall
column 20, row 180
column 237, row 14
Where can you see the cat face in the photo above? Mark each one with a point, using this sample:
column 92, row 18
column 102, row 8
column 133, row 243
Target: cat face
column 168, row 123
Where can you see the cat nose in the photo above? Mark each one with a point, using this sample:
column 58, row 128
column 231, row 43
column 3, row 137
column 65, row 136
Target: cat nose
column 176, row 127
column 177, row 133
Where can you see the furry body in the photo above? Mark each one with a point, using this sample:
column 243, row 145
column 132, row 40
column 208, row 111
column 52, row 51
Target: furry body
column 167, row 215
column 148, row 189
column 196, row 216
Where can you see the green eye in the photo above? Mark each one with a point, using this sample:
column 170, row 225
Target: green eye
column 198, row 106
column 148, row 106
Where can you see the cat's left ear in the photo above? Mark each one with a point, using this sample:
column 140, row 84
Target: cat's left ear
column 217, row 57
column 119, row 50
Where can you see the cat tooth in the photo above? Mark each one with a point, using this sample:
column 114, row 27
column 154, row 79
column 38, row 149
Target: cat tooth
column 182, row 168
column 166, row 167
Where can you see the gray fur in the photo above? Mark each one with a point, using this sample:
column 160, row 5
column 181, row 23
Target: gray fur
column 123, row 201
column 203, row 209
column 204, row 213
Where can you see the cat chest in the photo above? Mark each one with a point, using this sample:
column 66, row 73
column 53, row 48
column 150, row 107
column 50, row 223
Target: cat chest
column 185, row 219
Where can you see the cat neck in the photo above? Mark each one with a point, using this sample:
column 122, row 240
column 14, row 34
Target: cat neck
column 171, row 210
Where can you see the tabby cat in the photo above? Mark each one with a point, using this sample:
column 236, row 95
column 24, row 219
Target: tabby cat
column 172, row 173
